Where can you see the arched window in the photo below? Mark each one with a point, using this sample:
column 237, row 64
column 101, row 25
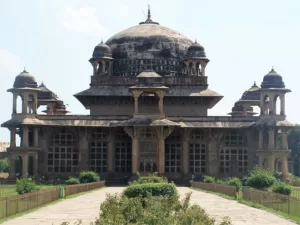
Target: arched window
column 123, row 158
column 63, row 154
column 98, row 151
column 19, row 104
column 233, row 153
column 197, row 152
column 173, row 149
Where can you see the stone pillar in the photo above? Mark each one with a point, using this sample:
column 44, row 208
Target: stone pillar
column 14, row 109
column 135, row 149
column 213, row 149
column 136, row 95
column 161, row 152
column 203, row 65
column 271, row 162
column 103, row 66
column 25, row 103
column 261, row 161
column 83, row 151
column 95, row 68
column 271, row 138
column 34, row 107
column 284, row 139
column 36, row 165
column 110, row 154
column 282, row 105
column 12, row 168
column 285, row 167
column 185, row 153
column 36, row 137
column 25, row 165
column 13, row 137
column 161, row 101
column 24, row 136
column 260, row 138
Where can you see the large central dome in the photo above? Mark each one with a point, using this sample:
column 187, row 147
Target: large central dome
column 149, row 46
column 148, row 41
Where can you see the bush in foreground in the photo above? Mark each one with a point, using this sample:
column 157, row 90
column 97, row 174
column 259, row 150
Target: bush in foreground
column 72, row 180
column 236, row 182
column 119, row 210
column 151, row 189
column 208, row 179
column 88, row 177
column 282, row 188
column 26, row 185
column 260, row 178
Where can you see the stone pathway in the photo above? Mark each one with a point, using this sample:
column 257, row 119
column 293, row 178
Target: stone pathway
column 86, row 207
column 240, row 214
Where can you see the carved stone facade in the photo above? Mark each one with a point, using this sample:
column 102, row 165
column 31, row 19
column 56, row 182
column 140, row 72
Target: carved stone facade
column 148, row 102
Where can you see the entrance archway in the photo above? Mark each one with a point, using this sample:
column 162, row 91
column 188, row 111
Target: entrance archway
column 148, row 151
column 19, row 166
column 30, row 165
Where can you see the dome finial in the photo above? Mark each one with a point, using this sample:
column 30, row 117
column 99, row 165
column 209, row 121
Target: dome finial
column 149, row 13
column 196, row 40
column 24, row 70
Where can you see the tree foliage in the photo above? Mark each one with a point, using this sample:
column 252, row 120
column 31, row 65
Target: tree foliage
column 4, row 165
column 294, row 140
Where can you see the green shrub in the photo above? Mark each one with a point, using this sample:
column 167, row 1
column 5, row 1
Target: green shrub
column 220, row 181
column 282, row 188
column 26, row 185
column 4, row 165
column 151, row 189
column 72, row 180
column 260, row 178
column 153, row 178
column 88, row 177
column 208, row 179
column 119, row 210
column 236, row 182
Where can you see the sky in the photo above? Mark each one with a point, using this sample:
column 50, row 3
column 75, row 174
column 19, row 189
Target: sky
column 243, row 40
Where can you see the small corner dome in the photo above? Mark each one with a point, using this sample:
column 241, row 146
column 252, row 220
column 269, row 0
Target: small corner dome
column 25, row 80
column 102, row 50
column 196, row 51
column 272, row 80
column 252, row 93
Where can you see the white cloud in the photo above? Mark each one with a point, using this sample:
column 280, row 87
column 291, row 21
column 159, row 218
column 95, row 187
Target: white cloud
column 82, row 20
column 10, row 64
column 123, row 9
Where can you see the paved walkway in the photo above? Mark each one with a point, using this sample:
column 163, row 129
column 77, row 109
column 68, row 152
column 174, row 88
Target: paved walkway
column 86, row 207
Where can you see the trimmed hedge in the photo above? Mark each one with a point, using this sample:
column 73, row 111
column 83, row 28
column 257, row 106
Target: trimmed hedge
column 72, row 180
column 282, row 188
column 88, row 177
column 154, row 189
column 150, row 179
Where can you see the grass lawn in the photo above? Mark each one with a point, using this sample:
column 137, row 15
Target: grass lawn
column 7, row 190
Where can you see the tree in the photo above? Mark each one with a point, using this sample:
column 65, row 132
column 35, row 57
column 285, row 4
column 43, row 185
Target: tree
column 4, row 165
column 294, row 141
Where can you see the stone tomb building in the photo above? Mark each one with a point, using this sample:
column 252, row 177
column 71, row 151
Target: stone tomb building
column 148, row 101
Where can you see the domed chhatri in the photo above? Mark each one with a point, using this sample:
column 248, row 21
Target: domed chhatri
column 272, row 80
column 196, row 51
column 25, row 80
column 102, row 50
column 252, row 93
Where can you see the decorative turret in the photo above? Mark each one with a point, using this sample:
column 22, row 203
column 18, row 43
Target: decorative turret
column 102, row 60
column 272, row 89
column 25, row 86
column 195, row 60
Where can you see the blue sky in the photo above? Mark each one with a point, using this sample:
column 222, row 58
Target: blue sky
column 243, row 39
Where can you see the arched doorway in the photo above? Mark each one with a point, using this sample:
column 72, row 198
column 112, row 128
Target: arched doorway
column 19, row 166
column 30, row 166
column 148, row 151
